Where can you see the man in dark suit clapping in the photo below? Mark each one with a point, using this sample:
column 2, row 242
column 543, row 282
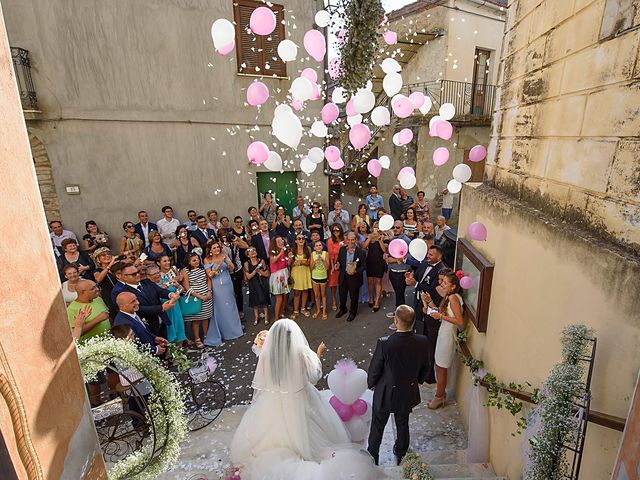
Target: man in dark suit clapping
column 351, row 263
column 203, row 234
column 398, row 366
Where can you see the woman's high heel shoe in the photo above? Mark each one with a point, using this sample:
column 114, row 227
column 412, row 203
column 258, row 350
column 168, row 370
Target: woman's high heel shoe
column 436, row 402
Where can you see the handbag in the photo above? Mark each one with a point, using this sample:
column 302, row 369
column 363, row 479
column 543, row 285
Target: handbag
column 190, row 305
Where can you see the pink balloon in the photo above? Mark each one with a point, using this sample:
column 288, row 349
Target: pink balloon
column 478, row 153
column 335, row 402
column 351, row 110
column 390, row 38
column 375, row 167
column 337, row 165
column 258, row 153
column 406, row 135
column 330, row 113
column 402, row 107
column 342, row 35
column 440, row 156
column 315, row 91
column 432, row 129
column 359, row 136
column 332, row 154
column 310, row 74
column 257, row 94
column 262, row 21
column 466, row 282
column 398, row 248
column 335, row 64
column 477, row 231
column 405, row 170
column 359, row 407
column 297, row 106
column 227, row 48
column 345, row 412
column 315, row 44
column 444, row 129
column 417, row 99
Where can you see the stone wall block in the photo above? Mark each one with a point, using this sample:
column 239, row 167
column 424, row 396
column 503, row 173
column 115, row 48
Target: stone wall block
column 545, row 195
column 561, row 117
column 522, row 8
column 618, row 219
column 614, row 111
column 549, row 14
column 625, row 172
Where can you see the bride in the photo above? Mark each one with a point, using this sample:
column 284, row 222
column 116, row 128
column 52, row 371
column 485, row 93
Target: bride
column 290, row 431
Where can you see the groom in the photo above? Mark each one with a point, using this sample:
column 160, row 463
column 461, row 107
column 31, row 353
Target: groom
column 399, row 364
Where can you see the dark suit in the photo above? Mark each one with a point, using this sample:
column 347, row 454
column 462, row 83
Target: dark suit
column 395, row 205
column 140, row 330
column 350, row 284
column 427, row 279
column 398, row 366
column 202, row 238
column 258, row 244
column 150, row 226
column 150, row 309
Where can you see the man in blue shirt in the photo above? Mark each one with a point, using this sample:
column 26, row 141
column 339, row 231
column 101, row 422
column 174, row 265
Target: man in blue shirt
column 373, row 203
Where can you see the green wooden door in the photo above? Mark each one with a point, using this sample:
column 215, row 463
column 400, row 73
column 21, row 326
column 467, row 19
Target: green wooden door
column 284, row 186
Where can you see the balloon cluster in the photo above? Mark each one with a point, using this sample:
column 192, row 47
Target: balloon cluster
column 348, row 383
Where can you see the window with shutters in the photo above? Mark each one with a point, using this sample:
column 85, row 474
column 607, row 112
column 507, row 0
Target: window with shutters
column 258, row 54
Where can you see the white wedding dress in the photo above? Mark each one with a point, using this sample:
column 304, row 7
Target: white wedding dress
column 289, row 431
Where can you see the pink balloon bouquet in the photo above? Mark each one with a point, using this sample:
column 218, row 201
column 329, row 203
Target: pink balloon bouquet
column 374, row 167
column 315, row 44
column 332, row 154
column 257, row 94
column 258, row 153
column 398, row 248
column 402, row 107
column 477, row 231
column 444, row 129
column 330, row 113
column 405, row 136
column 262, row 21
column 359, row 136
column 440, row 156
column 417, row 99
column 477, row 153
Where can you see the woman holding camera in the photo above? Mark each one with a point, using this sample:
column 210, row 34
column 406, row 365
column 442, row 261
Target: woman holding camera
column 185, row 244
column 94, row 238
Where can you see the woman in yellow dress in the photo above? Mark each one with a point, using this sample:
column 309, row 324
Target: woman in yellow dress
column 301, row 275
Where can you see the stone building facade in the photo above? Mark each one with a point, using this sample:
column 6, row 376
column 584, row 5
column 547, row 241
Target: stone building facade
column 560, row 203
column 139, row 111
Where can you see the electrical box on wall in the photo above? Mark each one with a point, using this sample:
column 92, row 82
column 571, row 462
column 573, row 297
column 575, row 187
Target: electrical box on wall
column 72, row 189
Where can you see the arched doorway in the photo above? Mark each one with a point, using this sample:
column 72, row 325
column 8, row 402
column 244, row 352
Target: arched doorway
column 45, row 178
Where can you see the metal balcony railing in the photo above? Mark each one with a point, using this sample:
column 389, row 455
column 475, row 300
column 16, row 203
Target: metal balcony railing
column 22, row 69
column 472, row 99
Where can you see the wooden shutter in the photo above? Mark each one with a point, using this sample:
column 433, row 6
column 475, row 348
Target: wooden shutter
column 253, row 52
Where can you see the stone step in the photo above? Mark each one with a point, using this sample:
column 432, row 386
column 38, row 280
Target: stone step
column 439, row 457
column 470, row 471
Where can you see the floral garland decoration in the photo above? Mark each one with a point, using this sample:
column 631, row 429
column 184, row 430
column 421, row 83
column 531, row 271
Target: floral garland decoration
column 498, row 393
column 414, row 468
column 166, row 403
column 546, row 458
column 362, row 19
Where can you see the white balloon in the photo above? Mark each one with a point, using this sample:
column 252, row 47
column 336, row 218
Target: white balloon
column 386, row 223
column 426, row 106
column 282, row 108
column 390, row 65
column 462, row 173
column 307, row 166
column 316, row 155
column 319, row 129
column 322, row 18
column 434, row 119
column 447, row 111
column 408, row 181
column 392, row 83
column 274, row 162
column 347, row 388
column 385, row 161
column 418, row 249
column 381, row 116
column 357, row 429
column 369, row 85
column 287, row 128
column 354, row 120
column 454, row 186
column 396, row 139
column 301, row 89
column 222, row 32
column 364, row 101
column 338, row 96
column 287, row 50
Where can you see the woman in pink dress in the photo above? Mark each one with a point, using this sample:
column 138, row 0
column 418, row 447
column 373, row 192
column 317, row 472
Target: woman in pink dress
column 333, row 248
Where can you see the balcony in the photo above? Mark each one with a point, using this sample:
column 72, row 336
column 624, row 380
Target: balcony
column 22, row 68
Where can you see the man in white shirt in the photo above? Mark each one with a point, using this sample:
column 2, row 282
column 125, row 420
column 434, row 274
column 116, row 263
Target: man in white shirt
column 144, row 226
column 337, row 215
column 167, row 225
column 300, row 212
column 58, row 233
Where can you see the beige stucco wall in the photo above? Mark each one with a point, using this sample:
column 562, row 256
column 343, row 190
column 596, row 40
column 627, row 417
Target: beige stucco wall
column 548, row 275
column 37, row 354
column 566, row 130
column 140, row 111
